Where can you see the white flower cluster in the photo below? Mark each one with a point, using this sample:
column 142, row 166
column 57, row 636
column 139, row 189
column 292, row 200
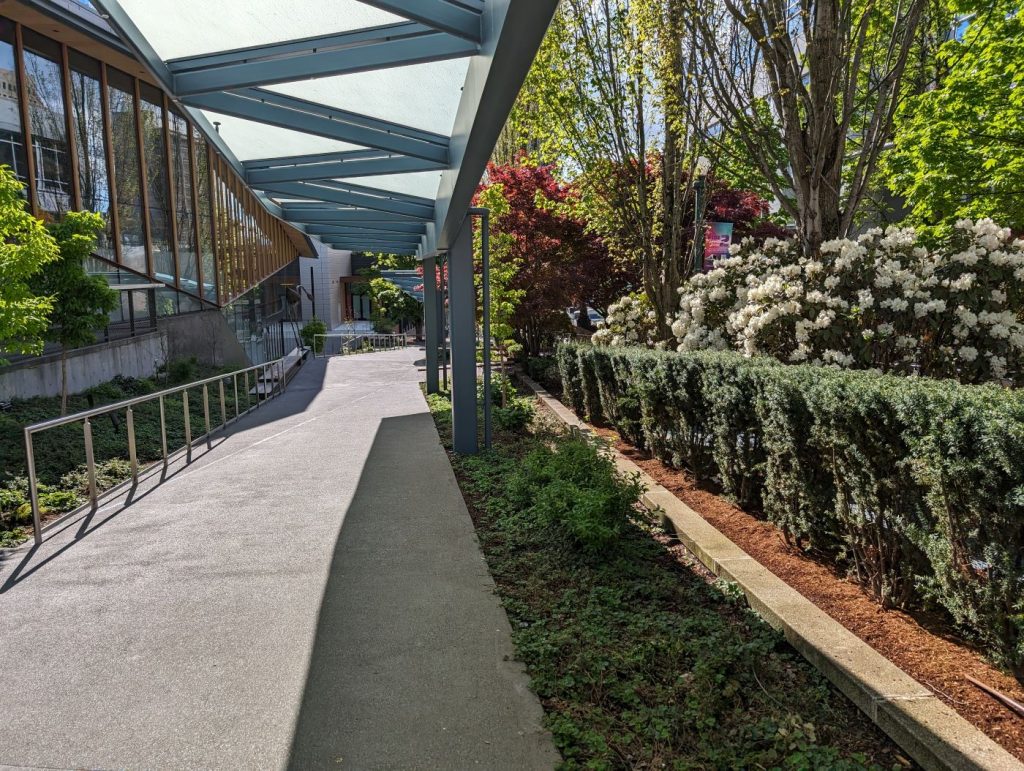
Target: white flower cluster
column 882, row 301
column 630, row 321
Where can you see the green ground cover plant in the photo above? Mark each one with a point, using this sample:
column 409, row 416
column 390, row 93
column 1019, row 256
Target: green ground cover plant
column 915, row 486
column 640, row 661
column 60, row 452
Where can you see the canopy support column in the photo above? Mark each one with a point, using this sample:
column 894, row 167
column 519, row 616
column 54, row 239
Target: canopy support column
column 430, row 322
column 462, row 300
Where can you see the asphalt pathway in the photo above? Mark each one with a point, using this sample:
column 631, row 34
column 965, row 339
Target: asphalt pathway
column 309, row 593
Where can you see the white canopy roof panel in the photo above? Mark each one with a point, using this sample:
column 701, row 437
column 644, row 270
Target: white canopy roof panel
column 356, row 119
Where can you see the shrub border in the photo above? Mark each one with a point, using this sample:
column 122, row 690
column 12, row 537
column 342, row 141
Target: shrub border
column 934, row 734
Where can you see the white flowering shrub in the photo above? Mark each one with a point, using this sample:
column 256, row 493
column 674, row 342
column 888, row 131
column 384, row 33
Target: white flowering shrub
column 882, row 301
column 630, row 321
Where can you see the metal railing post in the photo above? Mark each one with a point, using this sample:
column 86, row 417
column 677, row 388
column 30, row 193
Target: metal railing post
column 163, row 432
column 259, row 380
column 223, row 405
column 33, row 488
column 188, row 426
column 90, row 462
column 206, row 413
column 248, row 406
column 234, row 380
column 133, row 457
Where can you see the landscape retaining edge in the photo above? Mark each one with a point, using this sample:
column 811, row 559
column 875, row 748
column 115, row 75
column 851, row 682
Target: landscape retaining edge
column 929, row 730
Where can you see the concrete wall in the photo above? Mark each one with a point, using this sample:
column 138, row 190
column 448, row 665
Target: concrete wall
column 205, row 335
column 133, row 357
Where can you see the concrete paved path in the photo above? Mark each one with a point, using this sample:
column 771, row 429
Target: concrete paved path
column 307, row 594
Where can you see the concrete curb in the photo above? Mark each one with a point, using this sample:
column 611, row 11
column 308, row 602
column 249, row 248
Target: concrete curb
column 913, row 717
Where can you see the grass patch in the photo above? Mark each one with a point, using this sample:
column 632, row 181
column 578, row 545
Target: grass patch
column 640, row 662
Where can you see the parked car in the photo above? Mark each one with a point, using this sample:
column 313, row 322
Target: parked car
column 593, row 315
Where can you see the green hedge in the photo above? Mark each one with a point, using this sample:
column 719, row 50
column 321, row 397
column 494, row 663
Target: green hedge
column 916, row 486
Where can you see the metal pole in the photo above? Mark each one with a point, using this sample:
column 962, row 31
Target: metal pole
column 443, row 313
column 234, row 380
column 133, row 458
column 463, row 309
column 223, row 405
column 430, row 322
column 188, row 426
column 33, row 488
column 485, row 239
column 206, row 413
column 246, row 375
column 90, row 462
column 163, row 431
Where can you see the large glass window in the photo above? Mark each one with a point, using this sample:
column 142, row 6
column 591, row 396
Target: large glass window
column 48, row 124
column 126, row 170
column 12, row 142
column 183, row 215
column 205, row 218
column 87, row 127
column 152, row 117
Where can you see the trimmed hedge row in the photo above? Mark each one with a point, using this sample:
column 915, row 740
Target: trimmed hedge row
column 916, row 486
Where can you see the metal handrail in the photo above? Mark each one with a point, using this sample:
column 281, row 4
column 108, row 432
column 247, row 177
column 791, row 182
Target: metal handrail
column 279, row 376
column 384, row 340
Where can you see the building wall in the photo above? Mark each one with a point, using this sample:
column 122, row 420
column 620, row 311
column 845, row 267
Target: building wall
column 205, row 335
column 87, row 367
column 329, row 266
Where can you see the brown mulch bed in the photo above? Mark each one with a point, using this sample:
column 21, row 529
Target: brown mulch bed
column 923, row 646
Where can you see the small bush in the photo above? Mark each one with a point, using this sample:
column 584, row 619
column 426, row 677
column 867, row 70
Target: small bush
column 109, row 473
column 914, row 485
column 59, row 501
column 576, row 489
column 309, row 331
column 11, row 538
column 183, row 370
column 515, row 416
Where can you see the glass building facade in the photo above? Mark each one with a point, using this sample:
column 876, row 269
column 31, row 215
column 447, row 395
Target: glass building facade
column 84, row 134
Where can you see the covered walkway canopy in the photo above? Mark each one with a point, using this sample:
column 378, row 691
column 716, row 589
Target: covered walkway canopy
column 367, row 123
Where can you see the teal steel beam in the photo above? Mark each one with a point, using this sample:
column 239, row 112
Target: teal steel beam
column 350, row 197
column 396, row 45
column 368, row 167
column 515, row 30
column 452, row 17
column 317, row 119
column 329, row 216
column 356, row 228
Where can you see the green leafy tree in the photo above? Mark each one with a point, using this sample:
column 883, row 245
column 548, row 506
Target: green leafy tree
column 25, row 248
column 81, row 303
column 959, row 148
column 504, row 270
column 392, row 305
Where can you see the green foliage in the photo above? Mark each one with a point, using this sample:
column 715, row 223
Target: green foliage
column 639, row 662
column 516, row 415
column 392, row 305
column 25, row 248
column 544, row 370
column 576, row 488
column 957, row 147
column 914, row 485
column 183, row 370
column 59, row 501
column 309, row 331
column 81, row 303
